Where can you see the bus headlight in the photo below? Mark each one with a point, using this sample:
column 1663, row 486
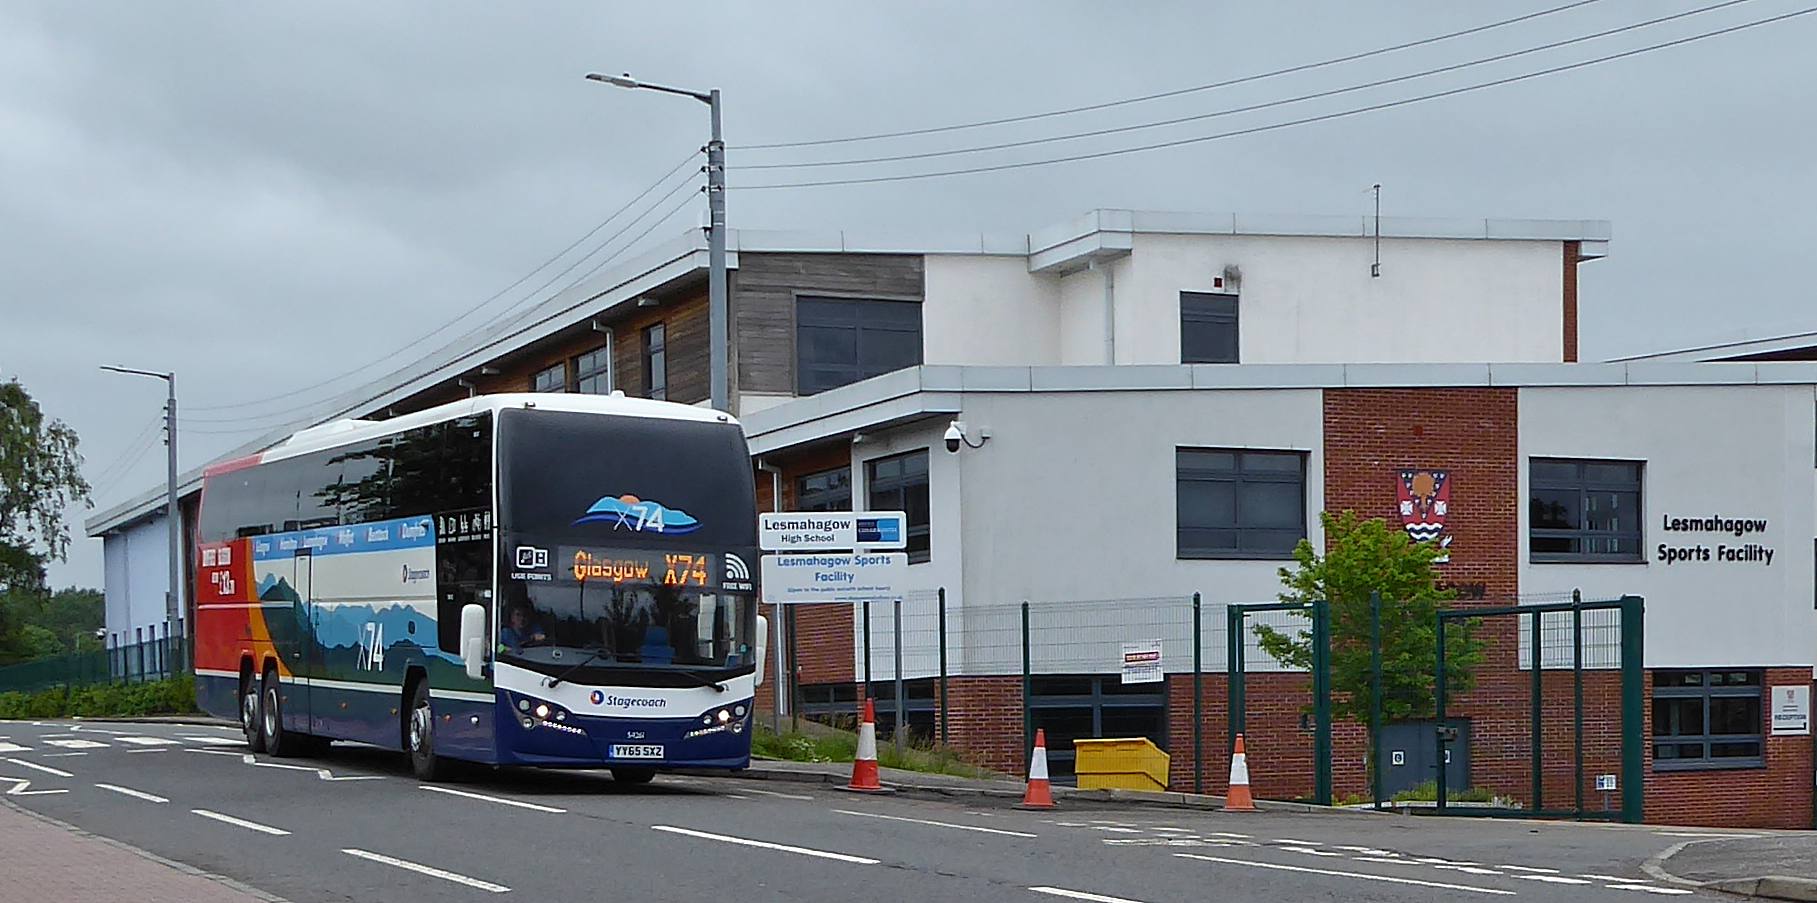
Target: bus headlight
column 542, row 711
column 725, row 715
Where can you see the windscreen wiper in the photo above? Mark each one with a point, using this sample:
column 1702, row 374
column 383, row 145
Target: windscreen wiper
column 597, row 654
column 705, row 681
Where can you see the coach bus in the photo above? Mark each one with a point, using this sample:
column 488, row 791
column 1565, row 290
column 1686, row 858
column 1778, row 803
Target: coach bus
column 523, row 579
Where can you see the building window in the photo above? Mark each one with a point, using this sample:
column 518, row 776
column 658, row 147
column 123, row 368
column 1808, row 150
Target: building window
column 1239, row 504
column 593, row 372
column 1208, row 328
column 656, row 362
column 1584, row 510
column 899, row 483
column 1707, row 719
column 550, row 379
column 828, row 490
column 843, row 340
column 1085, row 706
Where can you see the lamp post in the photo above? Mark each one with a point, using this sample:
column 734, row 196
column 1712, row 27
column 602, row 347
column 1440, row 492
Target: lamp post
column 717, row 315
column 173, row 597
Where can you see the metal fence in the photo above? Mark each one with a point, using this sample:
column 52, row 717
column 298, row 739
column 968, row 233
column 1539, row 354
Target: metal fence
column 136, row 663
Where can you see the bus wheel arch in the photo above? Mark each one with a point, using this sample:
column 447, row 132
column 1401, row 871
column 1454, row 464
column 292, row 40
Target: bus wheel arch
column 278, row 741
column 418, row 729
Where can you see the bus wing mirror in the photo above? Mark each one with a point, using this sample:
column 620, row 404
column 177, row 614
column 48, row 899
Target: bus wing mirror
column 473, row 640
column 763, row 646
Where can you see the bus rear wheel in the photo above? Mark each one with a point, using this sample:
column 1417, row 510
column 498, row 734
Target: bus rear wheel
column 419, row 737
column 278, row 741
column 251, row 717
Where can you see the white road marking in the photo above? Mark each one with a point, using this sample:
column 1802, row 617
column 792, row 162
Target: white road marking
column 1366, row 851
column 1165, row 829
column 738, row 796
column 1469, row 869
column 322, row 773
column 493, row 799
column 1702, row 834
column 77, row 744
column 1552, row 879
column 1117, row 830
column 786, row 796
column 44, row 768
column 216, row 752
column 937, row 824
column 135, row 751
column 431, row 871
column 137, row 794
column 240, row 822
column 19, row 785
column 1612, row 878
column 215, row 741
column 1297, row 843
column 1225, row 834
column 13, row 747
column 1360, row 875
column 1310, row 851
column 1390, row 860
column 148, row 741
column 783, row 848
column 1530, row 869
column 97, row 730
column 1648, row 888
column 63, row 755
column 1080, row 895
column 1432, row 860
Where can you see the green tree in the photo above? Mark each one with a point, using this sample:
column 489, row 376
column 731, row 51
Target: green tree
column 1369, row 556
column 40, row 476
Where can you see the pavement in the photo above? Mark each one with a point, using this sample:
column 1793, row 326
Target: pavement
column 1771, row 865
column 187, row 803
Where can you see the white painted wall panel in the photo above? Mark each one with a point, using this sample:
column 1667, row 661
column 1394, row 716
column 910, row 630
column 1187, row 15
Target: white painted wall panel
column 989, row 311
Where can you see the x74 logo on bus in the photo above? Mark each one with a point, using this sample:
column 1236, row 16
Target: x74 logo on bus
column 628, row 512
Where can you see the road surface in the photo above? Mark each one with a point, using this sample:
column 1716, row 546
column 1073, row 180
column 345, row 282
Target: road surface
column 354, row 825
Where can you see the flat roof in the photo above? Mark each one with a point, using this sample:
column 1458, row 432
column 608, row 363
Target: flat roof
column 1059, row 246
column 1796, row 341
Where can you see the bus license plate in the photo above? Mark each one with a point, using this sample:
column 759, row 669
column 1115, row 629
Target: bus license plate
column 621, row 751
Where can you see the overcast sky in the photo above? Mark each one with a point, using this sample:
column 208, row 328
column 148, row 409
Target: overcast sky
column 265, row 196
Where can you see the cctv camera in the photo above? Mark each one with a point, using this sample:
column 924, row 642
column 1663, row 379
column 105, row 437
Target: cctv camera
column 954, row 435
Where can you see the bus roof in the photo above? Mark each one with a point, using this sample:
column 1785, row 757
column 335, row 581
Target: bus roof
column 347, row 431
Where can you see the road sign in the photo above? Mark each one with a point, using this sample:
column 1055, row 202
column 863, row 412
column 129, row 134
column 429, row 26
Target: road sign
column 807, row 531
column 833, row 576
column 1142, row 662
column 1791, row 711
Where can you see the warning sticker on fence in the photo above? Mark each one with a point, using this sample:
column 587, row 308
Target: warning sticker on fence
column 1142, row 662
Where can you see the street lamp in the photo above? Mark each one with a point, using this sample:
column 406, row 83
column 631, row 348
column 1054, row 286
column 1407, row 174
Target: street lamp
column 173, row 598
column 717, row 316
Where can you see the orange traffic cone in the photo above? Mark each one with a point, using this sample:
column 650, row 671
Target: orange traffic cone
column 1238, row 798
column 1040, row 794
column 864, row 764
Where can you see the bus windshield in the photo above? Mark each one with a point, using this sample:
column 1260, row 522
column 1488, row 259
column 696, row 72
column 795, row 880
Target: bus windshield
column 626, row 543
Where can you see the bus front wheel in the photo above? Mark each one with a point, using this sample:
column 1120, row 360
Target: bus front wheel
column 419, row 737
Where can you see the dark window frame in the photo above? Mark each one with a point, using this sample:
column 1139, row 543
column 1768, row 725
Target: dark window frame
column 1205, row 310
column 1238, row 476
column 815, row 498
column 1104, row 692
column 856, row 306
column 540, row 380
column 656, row 360
column 1582, row 534
column 1706, row 691
column 594, row 364
column 901, row 486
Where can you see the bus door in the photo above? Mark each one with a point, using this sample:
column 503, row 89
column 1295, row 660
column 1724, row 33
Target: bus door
column 299, row 715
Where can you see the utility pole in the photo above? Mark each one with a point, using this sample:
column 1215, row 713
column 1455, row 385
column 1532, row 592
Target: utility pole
column 173, row 595
column 718, row 313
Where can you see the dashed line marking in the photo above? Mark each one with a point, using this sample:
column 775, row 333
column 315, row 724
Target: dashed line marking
column 13, row 748
column 241, row 823
column 137, row 751
column 1469, row 869
column 1648, row 889
column 1080, row 895
column 937, row 824
column 763, row 845
column 1297, row 843
column 1116, row 829
column 786, row 796
column 1616, row 878
column 431, row 871
column 44, row 768
column 63, row 755
column 1309, row 851
column 1364, row 876
column 148, row 741
column 136, row 794
column 493, row 799
column 215, row 741
column 77, row 744
column 1530, row 869
column 1551, row 879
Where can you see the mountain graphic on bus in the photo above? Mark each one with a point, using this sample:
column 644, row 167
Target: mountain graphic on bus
column 628, row 512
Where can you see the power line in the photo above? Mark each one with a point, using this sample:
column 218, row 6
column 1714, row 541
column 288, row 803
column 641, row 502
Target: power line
column 135, row 449
column 1250, row 108
column 279, row 419
column 472, row 310
column 1303, row 67
column 1289, row 123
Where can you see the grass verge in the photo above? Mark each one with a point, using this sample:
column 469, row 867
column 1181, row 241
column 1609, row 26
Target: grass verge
column 819, row 743
column 176, row 696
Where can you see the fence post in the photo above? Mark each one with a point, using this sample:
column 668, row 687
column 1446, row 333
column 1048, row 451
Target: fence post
column 1198, row 699
column 1321, row 702
column 794, row 668
column 1633, row 709
column 1537, row 715
column 1438, row 706
column 781, row 677
column 1233, row 673
column 1577, row 696
column 867, row 648
column 942, row 631
column 901, row 707
column 1028, row 711
column 1375, row 698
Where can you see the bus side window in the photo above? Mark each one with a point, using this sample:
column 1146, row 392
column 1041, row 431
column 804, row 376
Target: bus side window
column 463, row 580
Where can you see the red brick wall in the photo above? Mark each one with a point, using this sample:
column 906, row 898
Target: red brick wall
column 1572, row 249
column 1777, row 796
column 985, row 722
column 823, row 633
